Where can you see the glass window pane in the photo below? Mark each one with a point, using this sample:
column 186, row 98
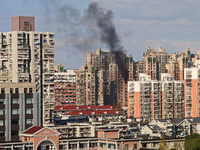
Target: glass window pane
column 15, row 111
column 14, row 101
column 1, row 122
column 2, row 101
column 1, row 111
column 28, row 110
column 1, row 133
column 29, row 121
column 28, row 100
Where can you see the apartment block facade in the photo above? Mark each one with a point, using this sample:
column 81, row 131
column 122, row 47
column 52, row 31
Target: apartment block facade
column 28, row 57
column 152, row 99
column 154, row 63
column 19, row 109
column 99, row 81
column 65, row 87
column 192, row 90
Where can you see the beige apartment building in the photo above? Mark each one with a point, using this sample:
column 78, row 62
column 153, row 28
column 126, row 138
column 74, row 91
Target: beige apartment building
column 28, row 56
column 152, row 99
column 154, row 63
column 99, row 81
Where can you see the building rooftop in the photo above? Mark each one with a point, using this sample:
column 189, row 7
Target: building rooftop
column 33, row 129
column 65, row 107
column 93, row 112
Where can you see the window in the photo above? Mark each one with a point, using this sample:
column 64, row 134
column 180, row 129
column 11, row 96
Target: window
column 126, row 147
column 26, row 26
column 1, row 122
column 2, row 101
column 111, row 146
column 29, row 121
column 25, row 138
column 25, row 90
column 30, row 90
column 28, row 110
column 16, row 90
column 1, row 133
column 11, row 90
column 14, row 101
column 14, row 133
column 2, row 91
column 14, row 121
column 135, row 146
column 29, row 100
column 15, row 111
column 1, row 111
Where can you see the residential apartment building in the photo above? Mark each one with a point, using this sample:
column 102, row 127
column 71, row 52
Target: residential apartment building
column 28, row 56
column 192, row 90
column 65, row 87
column 154, row 63
column 19, row 109
column 139, row 105
column 151, row 99
column 177, row 62
column 172, row 97
column 99, row 81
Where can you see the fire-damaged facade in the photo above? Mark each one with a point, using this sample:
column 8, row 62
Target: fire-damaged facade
column 101, row 82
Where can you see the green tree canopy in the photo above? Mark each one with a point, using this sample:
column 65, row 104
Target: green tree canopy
column 192, row 142
column 113, row 105
column 163, row 144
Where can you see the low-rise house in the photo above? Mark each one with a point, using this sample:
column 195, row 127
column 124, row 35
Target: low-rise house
column 152, row 130
column 38, row 137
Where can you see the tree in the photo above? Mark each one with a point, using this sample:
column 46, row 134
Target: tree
column 192, row 142
column 163, row 144
column 113, row 105
column 119, row 108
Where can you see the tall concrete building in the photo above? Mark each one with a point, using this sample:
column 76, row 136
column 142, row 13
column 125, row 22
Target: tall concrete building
column 192, row 90
column 154, row 63
column 172, row 97
column 140, row 98
column 19, row 109
column 177, row 62
column 152, row 99
column 22, row 23
column 28, row 57
column 99, row 81
column 65, row 87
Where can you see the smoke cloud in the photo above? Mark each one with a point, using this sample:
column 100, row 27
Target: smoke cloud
column 88, row 30
column 108, row 35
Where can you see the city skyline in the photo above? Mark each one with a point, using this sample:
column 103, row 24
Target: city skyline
column 171, row 25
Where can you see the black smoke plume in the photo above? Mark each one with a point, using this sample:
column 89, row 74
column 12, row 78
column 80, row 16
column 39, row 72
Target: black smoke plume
column 84, row 31
column 108, row 34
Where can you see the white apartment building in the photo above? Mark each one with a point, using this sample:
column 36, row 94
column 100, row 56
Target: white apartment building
column 65, row 87
column 151, row 99
column 28, row 56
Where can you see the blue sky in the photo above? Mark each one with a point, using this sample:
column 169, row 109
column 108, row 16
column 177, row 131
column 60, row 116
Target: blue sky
column 170, row 24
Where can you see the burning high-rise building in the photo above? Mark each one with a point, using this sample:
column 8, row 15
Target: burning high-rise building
column 100, row 82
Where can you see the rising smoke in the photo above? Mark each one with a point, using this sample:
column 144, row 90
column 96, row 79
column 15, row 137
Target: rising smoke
column 84, row 31
column 108, row 35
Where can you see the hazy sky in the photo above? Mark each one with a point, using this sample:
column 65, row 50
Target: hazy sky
column 170, row 24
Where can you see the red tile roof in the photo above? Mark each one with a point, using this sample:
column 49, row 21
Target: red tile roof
column 92, row 112
column 33, row 129
column 66, row 107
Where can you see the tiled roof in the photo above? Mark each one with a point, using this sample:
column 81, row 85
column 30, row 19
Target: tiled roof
column 93, row 112
column 176, row 120
column 66, row 107
column 33, row 129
